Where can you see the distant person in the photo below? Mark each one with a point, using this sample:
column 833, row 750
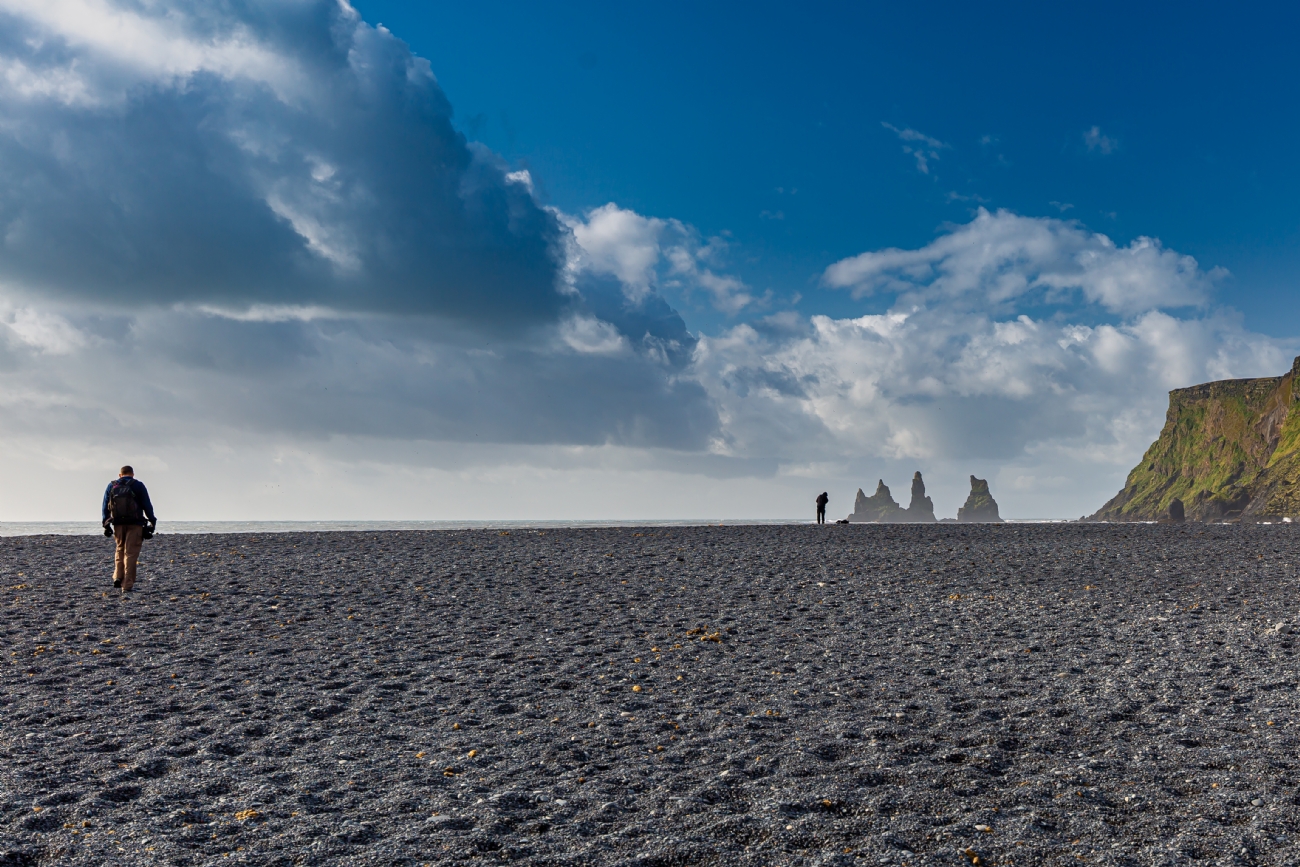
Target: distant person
column 822, row 500
column 126, row 513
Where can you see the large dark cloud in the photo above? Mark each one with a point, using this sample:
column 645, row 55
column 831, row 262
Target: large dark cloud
column 307, row 158
column 265, row 210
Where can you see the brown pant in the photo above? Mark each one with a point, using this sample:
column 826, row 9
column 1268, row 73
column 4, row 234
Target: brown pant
column 129, row 540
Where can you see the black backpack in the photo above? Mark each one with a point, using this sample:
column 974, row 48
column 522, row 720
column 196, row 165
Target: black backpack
column 123, row 505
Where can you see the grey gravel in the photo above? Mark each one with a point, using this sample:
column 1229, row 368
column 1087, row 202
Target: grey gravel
column 894, row 694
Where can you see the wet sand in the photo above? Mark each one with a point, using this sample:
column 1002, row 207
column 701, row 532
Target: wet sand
column 1020, row 694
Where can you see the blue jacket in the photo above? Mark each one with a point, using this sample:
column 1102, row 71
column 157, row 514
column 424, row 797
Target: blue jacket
column 141, row 494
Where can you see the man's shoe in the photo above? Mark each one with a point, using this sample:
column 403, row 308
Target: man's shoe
column 117, row 583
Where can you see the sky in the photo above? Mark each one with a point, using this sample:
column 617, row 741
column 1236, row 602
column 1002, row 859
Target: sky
column 304, row 260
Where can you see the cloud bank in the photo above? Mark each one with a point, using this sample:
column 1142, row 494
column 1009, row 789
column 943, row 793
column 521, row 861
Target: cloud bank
column 1031, row 349
column 250, row 239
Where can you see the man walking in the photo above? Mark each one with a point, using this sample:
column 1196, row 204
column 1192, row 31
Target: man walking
column 822, row 500
column 126, row 511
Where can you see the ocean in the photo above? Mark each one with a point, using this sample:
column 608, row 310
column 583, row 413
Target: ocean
column 89, row 528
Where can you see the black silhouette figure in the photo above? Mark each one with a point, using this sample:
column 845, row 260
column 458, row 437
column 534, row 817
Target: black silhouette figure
column 822, row 500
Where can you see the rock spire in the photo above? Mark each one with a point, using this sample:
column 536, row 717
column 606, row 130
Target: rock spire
column 980, row 506
column 921, row 509
column 879, row 508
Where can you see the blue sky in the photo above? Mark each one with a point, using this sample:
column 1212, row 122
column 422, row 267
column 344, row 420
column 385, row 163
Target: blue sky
column 619, row 261
column 718, row 113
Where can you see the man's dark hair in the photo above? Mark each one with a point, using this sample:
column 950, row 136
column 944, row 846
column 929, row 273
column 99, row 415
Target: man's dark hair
column 126, row 471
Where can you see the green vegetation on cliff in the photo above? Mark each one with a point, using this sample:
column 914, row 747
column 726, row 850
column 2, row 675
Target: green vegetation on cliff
column 1228, row 450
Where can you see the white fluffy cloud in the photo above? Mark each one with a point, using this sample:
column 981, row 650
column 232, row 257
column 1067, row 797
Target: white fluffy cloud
column 935, row 384
column 649, row 254
column 1004, row 259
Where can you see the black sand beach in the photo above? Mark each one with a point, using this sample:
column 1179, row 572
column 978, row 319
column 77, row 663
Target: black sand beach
column 1016, row 694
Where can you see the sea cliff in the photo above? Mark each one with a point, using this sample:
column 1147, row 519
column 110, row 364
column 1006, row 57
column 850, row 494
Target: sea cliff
column 1229, row 450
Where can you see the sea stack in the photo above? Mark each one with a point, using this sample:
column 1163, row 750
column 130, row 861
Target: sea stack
column 879, row 508
column 921, row 509
column 980, row 506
